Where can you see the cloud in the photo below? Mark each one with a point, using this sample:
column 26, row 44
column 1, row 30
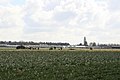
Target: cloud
column 60, row 20
column 51, row 4
column 4, row 2
column 11, row 22
column 17, row 2
column 70, row 20
column 114, row 5
column 14, row 33
column 64, row 16
column 10, row 16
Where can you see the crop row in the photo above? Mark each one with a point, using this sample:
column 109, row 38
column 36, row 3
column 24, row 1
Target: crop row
column 59, row 65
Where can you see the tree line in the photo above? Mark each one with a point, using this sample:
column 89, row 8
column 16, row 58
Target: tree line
column 32, row 43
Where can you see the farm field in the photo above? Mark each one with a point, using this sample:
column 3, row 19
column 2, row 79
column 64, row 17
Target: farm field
column 59, row 65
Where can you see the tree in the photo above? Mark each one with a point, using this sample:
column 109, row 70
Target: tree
column 94, row 44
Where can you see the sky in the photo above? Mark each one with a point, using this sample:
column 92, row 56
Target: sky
column 60, row 20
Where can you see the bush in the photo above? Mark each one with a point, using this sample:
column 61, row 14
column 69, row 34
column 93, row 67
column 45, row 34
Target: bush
column 50, row 48
column 20, row 47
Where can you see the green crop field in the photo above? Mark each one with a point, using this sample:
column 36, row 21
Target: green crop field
column 59, row 65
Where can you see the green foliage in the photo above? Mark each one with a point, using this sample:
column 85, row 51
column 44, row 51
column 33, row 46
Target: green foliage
column 59, row 65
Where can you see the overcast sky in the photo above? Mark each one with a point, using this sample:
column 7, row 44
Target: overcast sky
column 60, row 20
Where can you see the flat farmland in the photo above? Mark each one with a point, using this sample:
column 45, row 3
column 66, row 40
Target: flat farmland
column 59, row 65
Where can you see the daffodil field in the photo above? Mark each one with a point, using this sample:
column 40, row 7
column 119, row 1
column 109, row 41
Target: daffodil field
column 59, row 65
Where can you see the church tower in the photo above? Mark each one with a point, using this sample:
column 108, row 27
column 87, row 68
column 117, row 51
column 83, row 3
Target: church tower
column 85, row 42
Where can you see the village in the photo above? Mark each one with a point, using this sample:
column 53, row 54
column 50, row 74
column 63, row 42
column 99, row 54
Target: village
column 52, row 45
